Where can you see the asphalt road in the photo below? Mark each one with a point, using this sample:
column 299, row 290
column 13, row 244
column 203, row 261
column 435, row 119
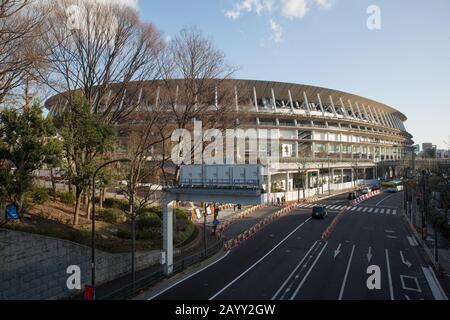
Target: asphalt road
column 288, row 260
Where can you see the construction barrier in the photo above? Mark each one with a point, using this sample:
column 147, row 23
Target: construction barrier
column 222, row 227
column 365, row 197
column 257, row 227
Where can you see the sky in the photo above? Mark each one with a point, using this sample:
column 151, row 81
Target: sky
column 397, row 52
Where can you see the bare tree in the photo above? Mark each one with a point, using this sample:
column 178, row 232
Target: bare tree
column 206, row 92
column 102, row 50
column 20, row 54
column 301, row 162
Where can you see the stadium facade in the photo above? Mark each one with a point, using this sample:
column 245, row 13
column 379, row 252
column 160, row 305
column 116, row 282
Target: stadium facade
column 333, row 137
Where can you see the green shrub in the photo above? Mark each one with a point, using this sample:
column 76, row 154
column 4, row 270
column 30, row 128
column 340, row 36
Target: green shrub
column 66, row 197
column 181, row 214
column 124, row 234
column 40, row 196
column 116, row 203
column 149, row 220
column 111, row 215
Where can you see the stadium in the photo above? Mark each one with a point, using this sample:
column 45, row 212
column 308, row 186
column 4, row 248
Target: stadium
column 329, row 139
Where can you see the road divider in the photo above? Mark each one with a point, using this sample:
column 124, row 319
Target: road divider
column 326, row 234
column 222, row 227
column 230, row 244
column 365, row 197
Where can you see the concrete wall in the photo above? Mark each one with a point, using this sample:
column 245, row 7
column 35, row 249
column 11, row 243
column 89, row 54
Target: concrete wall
column 34, row 266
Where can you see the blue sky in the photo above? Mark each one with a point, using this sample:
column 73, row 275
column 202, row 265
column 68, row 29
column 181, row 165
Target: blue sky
column 405, row 64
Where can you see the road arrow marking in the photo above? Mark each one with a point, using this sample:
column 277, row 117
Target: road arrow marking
column 337, row 251
column 369, row 254
column 405, row 261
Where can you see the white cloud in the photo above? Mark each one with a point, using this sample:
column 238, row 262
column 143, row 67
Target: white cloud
column 325, row 4
column 290, row 9
column 277, row 31
column 294, row 8
column 257, row 6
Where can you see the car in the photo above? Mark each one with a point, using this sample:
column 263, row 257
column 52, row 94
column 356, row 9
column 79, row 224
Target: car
column 366, row 190
column 376, row 187
column 319, row 212
column 353, row 195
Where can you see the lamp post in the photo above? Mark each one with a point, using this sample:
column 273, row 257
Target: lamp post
column 93, row 220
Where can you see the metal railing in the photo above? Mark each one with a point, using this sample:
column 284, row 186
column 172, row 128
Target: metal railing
column 129, row 291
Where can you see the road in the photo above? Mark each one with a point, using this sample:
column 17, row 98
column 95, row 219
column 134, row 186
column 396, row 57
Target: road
column 288, row 260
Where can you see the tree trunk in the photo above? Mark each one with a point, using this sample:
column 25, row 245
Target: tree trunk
column 101, row 198
column 78, row 195
column 89, row 205
column 52, row 178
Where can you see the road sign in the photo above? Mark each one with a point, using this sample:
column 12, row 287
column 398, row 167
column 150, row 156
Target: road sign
column 216, row 222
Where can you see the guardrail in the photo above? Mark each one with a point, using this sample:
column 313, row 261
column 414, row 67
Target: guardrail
column 129, row 291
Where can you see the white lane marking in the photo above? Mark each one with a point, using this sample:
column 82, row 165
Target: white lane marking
column 257, row 262
column 404, row 261
column 382, row 211
column 416, row 289
column 332, row 207
column 377, row 210
column 394, row 212
column 388, row 211
column 354, row 208
column 346, row 274
column 433, row 283
column 309, row 271
column 365, row 209
column 389, row 231
column 391, row 289
column 337, row 251
column 339, row 207
column 391, row 237
column 412, row 241
column 385, row 199
column 189, row 276
column 370, row 210
column 293, row 272
column 360, row 208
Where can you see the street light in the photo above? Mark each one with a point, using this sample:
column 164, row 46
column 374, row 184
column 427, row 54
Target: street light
column 93, row 220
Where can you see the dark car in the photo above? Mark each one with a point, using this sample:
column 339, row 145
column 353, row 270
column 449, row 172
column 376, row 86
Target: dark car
column 319, row 212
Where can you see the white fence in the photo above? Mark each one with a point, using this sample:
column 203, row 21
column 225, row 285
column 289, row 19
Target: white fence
column 295, row 195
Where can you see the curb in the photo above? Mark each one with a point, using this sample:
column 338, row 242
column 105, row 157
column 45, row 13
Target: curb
column 425, row 247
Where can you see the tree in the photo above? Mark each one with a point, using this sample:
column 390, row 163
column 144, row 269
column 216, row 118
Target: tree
column 205, row 92
column 85, row 139
column 100, row 50
column 20, row 55
column 27, row 142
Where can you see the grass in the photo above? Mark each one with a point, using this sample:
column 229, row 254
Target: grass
column 54, row 219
